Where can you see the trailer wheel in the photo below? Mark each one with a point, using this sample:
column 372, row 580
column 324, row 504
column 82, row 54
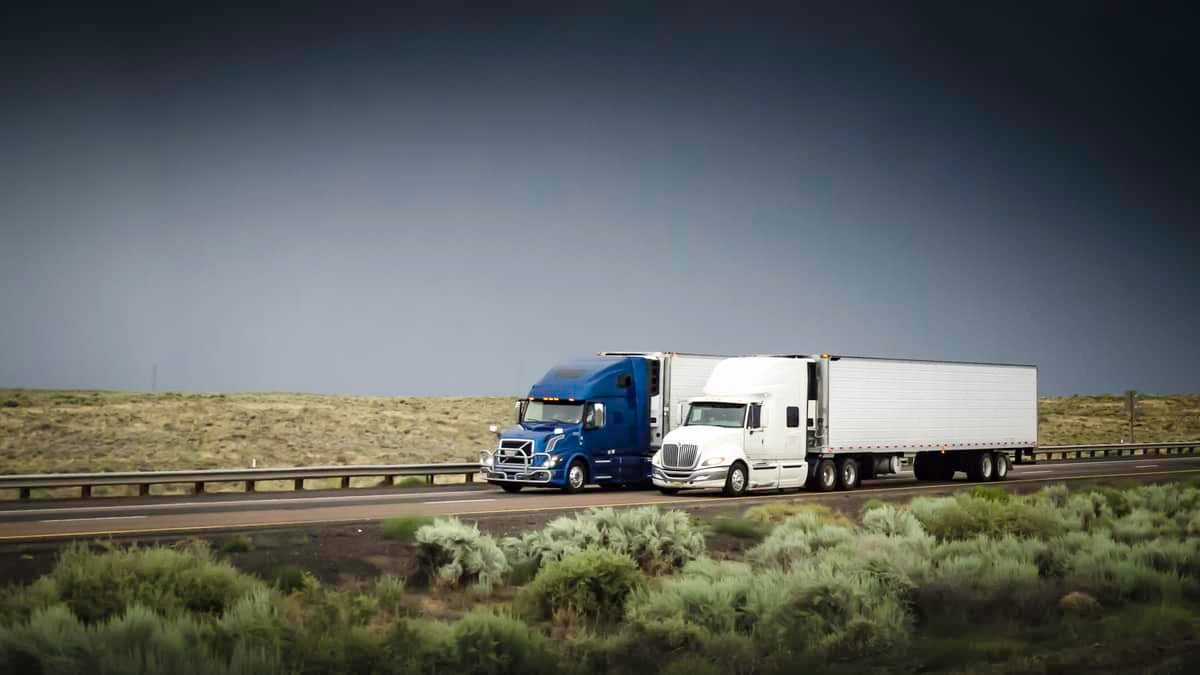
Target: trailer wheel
column 947, row 466
column 576, row 477
column 1000, row 460
column 825, row 476
column 980, row 467
column 848, row 478
column 738, row 480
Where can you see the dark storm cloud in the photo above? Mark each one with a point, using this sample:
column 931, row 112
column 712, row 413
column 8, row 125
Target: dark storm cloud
column 446, row 199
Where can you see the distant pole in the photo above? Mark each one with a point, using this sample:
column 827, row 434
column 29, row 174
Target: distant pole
column 1131, row 410
column 154, row 377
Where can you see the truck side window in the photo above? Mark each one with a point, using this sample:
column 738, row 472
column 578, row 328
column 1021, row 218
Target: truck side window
column 812, row 382
column 793, row 416
column 593, row 418
column 755, row 421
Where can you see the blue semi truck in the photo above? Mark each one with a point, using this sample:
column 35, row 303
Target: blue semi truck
column 596, row 420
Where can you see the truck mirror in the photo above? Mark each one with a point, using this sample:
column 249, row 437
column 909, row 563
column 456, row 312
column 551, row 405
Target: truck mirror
column 518, row 410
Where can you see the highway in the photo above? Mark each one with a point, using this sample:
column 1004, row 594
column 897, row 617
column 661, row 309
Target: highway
column 103, row 517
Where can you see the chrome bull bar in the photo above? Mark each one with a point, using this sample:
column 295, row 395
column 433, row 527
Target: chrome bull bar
column 526, row 470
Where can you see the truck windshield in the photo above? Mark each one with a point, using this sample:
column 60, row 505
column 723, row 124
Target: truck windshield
column 541, row 411
column 730, row 415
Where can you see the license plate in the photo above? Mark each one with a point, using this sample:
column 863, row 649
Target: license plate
column 674, row 483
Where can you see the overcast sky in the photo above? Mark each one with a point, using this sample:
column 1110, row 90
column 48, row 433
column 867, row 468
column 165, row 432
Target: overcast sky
column 447, row 201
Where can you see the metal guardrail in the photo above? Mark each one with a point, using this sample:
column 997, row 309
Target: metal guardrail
column 198, row 479
column 1085, row 451
column 24, row 484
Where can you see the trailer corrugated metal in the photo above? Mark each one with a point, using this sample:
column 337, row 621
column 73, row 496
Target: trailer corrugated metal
column 884, row 405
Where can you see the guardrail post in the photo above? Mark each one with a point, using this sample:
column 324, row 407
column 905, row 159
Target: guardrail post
column 250, row 486
column 298, row 484
column 144, row 490
column 471, row 477
column 24, row 493
column 85, row 491
column 429, row 479
column 199, row 488
column 345, row 482
column 387, row 481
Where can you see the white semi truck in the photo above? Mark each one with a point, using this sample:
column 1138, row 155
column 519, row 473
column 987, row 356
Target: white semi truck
column 827, row 422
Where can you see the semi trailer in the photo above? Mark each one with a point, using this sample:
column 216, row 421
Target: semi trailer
column 828, row 422
column 596, row 420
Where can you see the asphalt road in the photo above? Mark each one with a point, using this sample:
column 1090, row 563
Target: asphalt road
column 233, row 511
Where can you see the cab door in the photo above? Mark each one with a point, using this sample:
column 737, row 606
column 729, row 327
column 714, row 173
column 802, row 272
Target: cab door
column 755, row 434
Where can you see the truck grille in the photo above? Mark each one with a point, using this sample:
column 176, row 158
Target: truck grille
column 514, row 452
column 679, row 456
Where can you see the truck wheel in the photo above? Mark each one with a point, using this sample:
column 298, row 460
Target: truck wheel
column 980, row 467
column 825, row 476
column 848, row 478
column 1000, row 462
column 738, row 481
column 576, row 477
column 509, row 487
column 670, row 492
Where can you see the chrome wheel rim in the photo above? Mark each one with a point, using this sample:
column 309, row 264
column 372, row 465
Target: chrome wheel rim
column 575, row 476
column 1001, row 467
column 848, row 473
column 737, row 479
column 985, row 466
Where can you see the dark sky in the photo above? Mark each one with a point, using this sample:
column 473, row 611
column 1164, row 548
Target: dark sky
column 447, row 199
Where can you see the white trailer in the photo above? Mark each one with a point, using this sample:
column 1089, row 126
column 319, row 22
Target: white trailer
column 827, row 422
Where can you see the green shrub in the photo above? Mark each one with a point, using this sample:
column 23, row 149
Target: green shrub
column 411, row 482
column 796, row 538
column 96, row 586
column 871, row 505
column 453, row 553
column 893, row 522
column 965, row 516
column 774, row 512
column 992, row 494
column 986, row 579
column 389, row 591
column 491, row 644
column 740, row 528
column 404, row 529
column 290, row 578
column 238, row 544
column 659, row 541
column 592, row 583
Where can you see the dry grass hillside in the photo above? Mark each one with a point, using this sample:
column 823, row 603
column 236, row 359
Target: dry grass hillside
column 60, row 431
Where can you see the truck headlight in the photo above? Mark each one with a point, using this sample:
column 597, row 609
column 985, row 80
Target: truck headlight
column 552, row 461
column 713, row 461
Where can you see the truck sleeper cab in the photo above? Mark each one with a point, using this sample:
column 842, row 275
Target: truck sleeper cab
column 593, row 420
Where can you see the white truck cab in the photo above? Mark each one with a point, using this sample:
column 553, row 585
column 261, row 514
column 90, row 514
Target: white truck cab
column 747, row 431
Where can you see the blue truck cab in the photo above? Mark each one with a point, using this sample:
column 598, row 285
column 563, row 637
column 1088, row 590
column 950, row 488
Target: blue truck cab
column 595, row 420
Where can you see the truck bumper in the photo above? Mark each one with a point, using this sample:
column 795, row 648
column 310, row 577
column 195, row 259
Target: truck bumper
column 708, row 477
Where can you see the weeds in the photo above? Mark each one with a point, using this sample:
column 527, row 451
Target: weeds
column 405, row 528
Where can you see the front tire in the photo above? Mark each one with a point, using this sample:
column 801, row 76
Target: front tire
column 576, row 477
column 848, row 477
column 509, row 487
column 738, row 480
column 825, row 476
